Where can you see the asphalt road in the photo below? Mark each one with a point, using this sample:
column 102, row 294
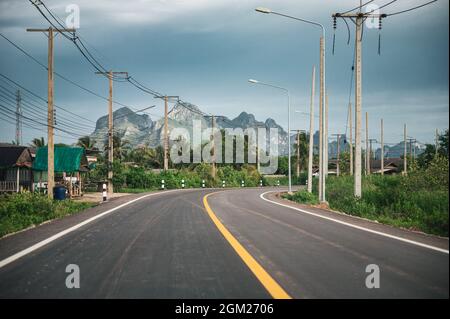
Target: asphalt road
column 168, row 246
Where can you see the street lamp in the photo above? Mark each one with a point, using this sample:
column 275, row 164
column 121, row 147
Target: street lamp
column 322, row 143
column 252, row 81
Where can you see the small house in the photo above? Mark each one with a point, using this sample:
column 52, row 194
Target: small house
column 15, row 168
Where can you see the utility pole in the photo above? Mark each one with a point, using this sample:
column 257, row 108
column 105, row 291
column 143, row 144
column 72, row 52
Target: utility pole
column 110, row 75
column 298, row 149
column 358, row 19
column 50, row 114
column 367, row 145
column 370, row 155
column 213, row 159
column 405, row 163
column 382, row 147
column 351, row 137
column 321, row 148
column 18, row 118
column 338, row 155
column 166, row 128
column 326, row 136
column 436, row 141
column 311, row 131
column 298, row 153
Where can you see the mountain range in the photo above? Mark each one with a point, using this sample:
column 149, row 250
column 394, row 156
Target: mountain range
column 140, row 129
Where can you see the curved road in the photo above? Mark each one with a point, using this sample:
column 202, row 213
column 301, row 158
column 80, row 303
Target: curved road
column 168, row 245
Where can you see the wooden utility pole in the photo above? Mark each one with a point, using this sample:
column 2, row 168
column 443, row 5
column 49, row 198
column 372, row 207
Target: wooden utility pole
column 405, row 154
column 367, row 145
column 350, row 137
column 110, row 76
column 311, row 131
column 50, row 113
column 382, row 147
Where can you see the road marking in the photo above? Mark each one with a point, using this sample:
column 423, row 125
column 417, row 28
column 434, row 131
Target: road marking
column 44, row 242
column 261, row 274
column 355, row 226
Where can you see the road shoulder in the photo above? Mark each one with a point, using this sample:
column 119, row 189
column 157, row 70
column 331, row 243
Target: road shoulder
column 425, row 239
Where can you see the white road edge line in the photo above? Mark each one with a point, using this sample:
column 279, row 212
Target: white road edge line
column 354, row 226
column 44, row 242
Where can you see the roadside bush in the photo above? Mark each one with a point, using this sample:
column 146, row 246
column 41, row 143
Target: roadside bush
column 18, row 211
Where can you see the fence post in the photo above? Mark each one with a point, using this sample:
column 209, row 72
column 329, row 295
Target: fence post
column 104, row 192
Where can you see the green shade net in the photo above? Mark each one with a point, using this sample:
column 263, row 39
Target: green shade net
column 67, row 159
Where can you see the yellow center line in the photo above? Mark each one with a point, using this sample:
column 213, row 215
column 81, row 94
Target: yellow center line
column 274, row 289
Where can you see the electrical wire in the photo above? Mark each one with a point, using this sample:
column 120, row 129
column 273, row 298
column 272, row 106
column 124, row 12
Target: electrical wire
column 411, row 9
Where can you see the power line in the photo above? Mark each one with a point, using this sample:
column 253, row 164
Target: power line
column 358, row 7
column 59, row 74
column 411, row 9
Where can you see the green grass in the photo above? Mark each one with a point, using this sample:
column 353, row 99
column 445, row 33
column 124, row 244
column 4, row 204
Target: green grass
column 302, row 196
column 418, row 201
column 415, row 202
column 19, row 211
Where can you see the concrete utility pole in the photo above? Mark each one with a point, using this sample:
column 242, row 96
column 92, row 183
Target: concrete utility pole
column 50, row 113
column 298, row 153
column 298, row 150
column 382, row 147
column 405, row 154
column 110, row 75
column 367, row 145
column 18, row 118
column 358, row 19
column 213, row 158
column 311, row 131
column 321, row 148
column 166, row 134
column 326, row 137
column 338, row 155
column 370, row 155
column 166, row 128
column 411, row 150
column 350, row 137
column 436, row 141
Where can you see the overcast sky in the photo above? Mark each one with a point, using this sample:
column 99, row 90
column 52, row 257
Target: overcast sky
column 205, row 50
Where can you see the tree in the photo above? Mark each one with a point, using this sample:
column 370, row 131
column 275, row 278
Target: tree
column 38, row 142
column 443, row 144
column 120, row 147
column 87, row 143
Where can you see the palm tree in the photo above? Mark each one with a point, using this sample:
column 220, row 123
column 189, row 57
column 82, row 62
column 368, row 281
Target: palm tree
column 38, row 142
column 87, row 143
column 120, row 147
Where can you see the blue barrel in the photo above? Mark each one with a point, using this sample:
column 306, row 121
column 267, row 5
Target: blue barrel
column 59, row 192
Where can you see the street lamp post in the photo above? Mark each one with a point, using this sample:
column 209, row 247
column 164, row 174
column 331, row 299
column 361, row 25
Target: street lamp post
column 289, row 124
column 322, row 126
